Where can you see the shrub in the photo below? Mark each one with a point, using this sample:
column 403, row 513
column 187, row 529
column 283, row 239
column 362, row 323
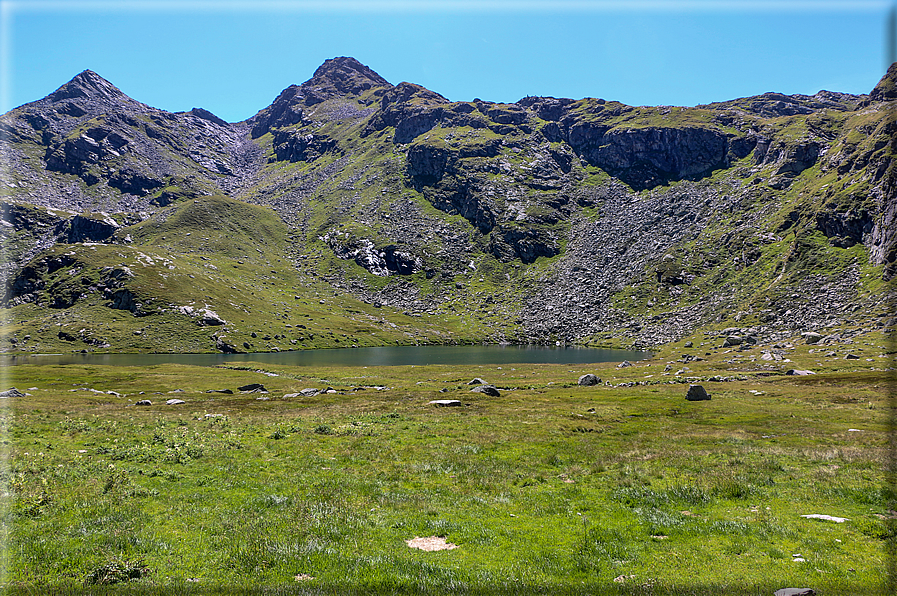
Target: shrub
column 117, row 571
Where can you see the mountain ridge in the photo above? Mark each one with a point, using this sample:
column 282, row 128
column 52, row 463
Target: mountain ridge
column 397, row 197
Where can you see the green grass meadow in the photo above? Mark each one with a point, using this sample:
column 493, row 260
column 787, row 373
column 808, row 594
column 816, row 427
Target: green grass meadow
column 551, row 488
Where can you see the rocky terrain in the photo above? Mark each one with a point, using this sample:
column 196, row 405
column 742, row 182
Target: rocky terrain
column 548, row 220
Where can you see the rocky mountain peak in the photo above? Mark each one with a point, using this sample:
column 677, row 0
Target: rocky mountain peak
column 406, row 92
column 887, row 86
column 344, row 76
column 87, row 84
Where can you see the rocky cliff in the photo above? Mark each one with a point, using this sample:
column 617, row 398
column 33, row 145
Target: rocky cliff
column 546, row 220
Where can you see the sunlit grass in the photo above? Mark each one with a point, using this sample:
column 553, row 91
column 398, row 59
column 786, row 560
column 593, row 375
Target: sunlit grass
column 551, row 487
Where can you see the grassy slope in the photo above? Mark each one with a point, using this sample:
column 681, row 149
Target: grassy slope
column 553, row 486
column 216, row 253
column 467, row 304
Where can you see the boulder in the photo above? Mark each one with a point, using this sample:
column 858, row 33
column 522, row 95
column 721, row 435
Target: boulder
column 851, row 357
column 445, row 403
column 733, row 340
column 795, row 592
column 477, row 381
column 489, row 390
column 252, row 387
column 799, row 373
column 224, row 347
column 811, row 337
column 310, row 392
column 588, row 380
column 697, row 393
column 144, row 402
column 174, row 402
column 12, row 392
column 209, row 317
column 624, row 364
column 91, row 229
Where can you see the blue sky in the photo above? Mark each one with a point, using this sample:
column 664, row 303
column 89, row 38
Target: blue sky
column 234, row 57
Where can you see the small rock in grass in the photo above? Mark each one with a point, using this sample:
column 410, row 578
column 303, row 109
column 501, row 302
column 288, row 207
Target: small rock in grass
column 697, row 393
column 309, row 392
column 227, row 391
column 851, row 357
column 831, row 518
column 12, row 392
column 489, row 390
column 289, row 395
column 174, row 402
column 588, row 380
column 476, row 381
column 144, row 402
column 799, row 373
column 445, row 403
column 795, row 592
column 624, row 364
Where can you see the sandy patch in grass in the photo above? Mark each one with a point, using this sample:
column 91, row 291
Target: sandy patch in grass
column 430, row 543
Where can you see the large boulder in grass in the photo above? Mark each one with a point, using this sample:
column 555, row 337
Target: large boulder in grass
column 253, row 387
column 587, row 380
column 811, row 337
column 697, row 393
column 489, row 390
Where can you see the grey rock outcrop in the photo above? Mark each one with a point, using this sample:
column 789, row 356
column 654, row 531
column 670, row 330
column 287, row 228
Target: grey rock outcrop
column 489, row 390
column 697, row 393
column 588, row 380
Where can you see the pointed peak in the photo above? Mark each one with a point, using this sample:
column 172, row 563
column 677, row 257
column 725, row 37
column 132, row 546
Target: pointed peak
column 87, row 84
column 345, row 75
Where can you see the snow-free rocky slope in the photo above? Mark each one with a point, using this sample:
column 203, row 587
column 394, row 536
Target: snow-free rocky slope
column 356, row 212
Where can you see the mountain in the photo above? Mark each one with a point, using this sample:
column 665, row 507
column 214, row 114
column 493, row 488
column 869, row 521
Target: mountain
column 352, row 211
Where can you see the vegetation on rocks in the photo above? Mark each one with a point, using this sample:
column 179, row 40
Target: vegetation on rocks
column 578, row 221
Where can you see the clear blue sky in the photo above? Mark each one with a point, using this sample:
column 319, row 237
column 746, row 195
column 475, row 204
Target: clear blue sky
column 234, row 57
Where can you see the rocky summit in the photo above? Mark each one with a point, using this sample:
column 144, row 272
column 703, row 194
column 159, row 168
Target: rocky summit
column 355, row 212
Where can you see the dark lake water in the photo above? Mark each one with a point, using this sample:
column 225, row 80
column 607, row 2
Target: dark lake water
column 384, row 356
